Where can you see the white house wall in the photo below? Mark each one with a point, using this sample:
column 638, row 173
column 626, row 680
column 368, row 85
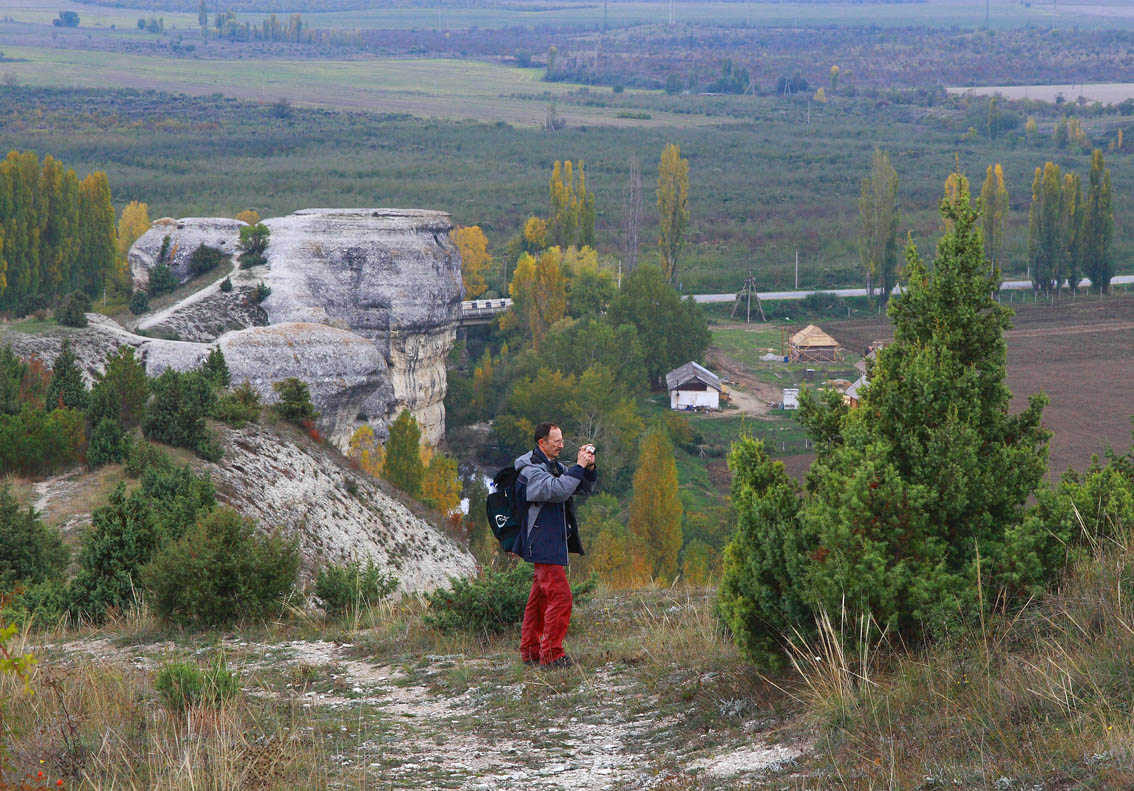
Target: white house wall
column 680, row 399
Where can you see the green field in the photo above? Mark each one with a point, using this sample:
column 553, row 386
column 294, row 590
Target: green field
column 449, row 16
column 451, row 89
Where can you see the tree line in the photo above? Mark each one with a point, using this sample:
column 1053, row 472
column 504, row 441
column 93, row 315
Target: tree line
column 57, row 231
column 1070, row 233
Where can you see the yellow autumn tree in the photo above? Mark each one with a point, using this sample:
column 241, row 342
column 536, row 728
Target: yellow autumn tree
column 673, row 208
column 132, row 223
column 367, row 451
column 475, row 260
column 994, row 212
column 577, row 260
column 250, row 216
column 572, row 216
column 655, row 508
column 539, row 293
column 535, row 234
column 441, row 485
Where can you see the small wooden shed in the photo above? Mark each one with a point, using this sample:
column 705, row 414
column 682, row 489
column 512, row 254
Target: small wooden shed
column 812, row 345
column 692, row 386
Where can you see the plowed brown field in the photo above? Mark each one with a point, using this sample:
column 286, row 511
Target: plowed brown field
column 1081, row 353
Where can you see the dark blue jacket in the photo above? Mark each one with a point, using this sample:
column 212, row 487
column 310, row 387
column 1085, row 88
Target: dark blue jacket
column 545, row 488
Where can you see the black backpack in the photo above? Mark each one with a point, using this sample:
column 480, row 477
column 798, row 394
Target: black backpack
column 505, row 515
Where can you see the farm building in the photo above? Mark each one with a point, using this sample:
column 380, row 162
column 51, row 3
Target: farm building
column 853, row 394
column 692, row 386
column 812, row 345
column 791, row 398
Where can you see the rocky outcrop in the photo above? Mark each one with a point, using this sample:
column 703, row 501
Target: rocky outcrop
column 337, row 514
column 345, row 373
column 389, row 277
column 392, row 276
column 185, row 235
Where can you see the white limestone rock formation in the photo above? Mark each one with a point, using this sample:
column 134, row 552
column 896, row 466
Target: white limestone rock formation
column 392, row 276
column 337, row 514
column 185, row 235
column 345, row 373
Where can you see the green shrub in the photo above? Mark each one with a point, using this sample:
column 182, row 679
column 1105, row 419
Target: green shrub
column 351, row 587
column 139, row 302
column 67, row 388
column 35, row 443
column 215, row 368
column 108, row 444
column 72, row 310
column 142, row 456
column 41, row 604
column 220, row 571
column 238, row 406
column 204, row 258
column 184, row 685
column 226, row 285
column 127, row 532
column 253, row 243
column 491, row 603
column 260, row 293
column 162, row 280
column 29, row 551
column 176, row 415
column 295, row 400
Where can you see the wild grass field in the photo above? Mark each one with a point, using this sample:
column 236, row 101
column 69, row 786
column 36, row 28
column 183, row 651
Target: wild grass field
column 445, row 89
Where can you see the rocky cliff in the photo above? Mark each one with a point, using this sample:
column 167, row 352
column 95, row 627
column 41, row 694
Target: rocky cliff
column 392, row 276
column 389, row 277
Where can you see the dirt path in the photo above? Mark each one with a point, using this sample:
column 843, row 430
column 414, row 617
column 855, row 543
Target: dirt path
column 749, row 394
column 475, row 724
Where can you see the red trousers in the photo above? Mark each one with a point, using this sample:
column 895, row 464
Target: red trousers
column 547, row 615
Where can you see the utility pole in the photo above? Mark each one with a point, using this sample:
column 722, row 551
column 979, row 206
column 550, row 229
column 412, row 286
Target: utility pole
column 747, row 293
column 797, row 269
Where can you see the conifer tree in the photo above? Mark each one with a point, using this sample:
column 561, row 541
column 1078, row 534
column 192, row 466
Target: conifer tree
column 655, row 508
column 1098, row 225
column 403, row 466
column 120, row 393
column 673, row 208
column 66, row 389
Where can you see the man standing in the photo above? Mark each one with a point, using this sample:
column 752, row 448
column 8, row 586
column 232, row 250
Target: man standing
column 545, row 487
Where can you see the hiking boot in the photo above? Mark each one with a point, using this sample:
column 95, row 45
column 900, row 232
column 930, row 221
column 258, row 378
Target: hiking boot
column 529, row 661
column 561, row 663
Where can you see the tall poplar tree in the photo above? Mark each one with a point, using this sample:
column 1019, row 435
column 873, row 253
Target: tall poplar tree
column 403, row 466
column 572, row 218
column 994, row 213
column 878, row 231
column 673, row 208
column 1046, row 231
column 475, row 260
column 96, row 233
column 1098, row 225
column 1071, row 225
column 655, row 508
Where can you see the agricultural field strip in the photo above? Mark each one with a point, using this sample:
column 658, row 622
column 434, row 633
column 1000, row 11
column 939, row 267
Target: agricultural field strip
column 454, row 89
column 935, row 13
column 1105, row 92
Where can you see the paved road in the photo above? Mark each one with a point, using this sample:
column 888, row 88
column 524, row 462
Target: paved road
column 861, row 292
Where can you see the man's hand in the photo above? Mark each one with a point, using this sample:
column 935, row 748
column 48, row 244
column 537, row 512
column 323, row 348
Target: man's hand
column 586, row 457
